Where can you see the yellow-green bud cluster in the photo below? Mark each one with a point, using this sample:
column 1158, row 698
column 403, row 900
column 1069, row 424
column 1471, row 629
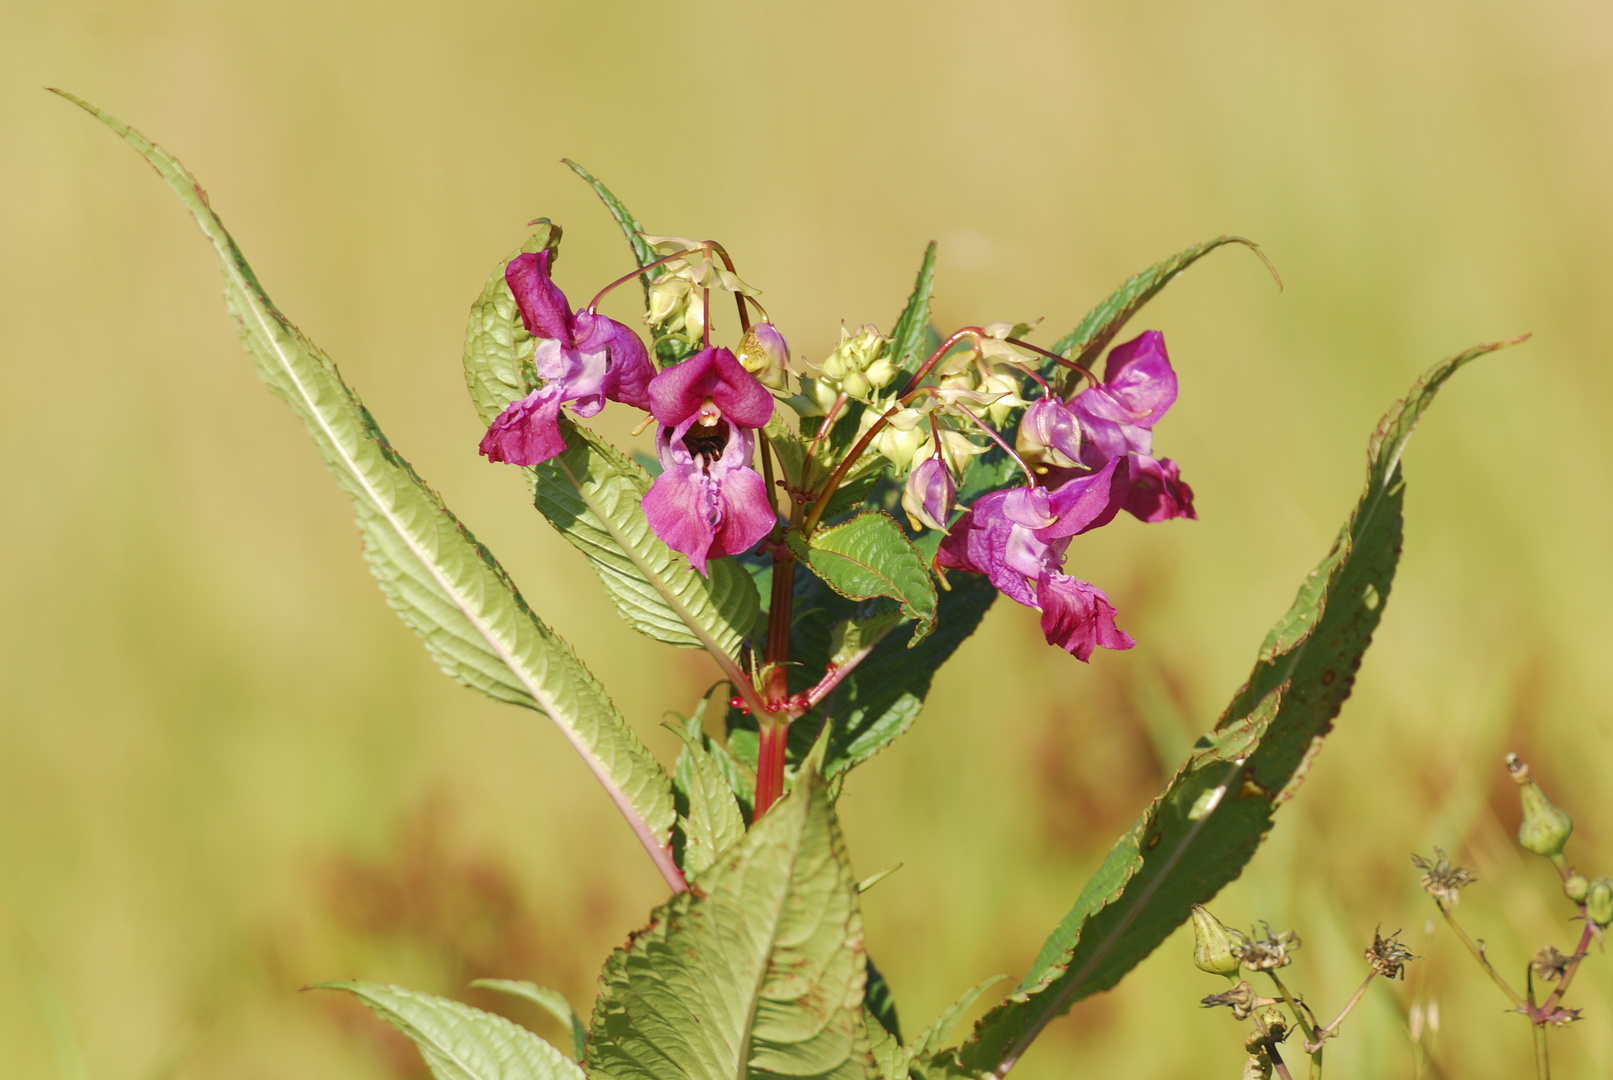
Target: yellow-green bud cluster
column 857, row 367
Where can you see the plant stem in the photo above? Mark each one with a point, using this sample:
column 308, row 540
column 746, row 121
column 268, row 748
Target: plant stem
column 1573, row 966
column 1542, row 1056
column 1333, row 1028
column 1478, row 954
column 769, row 766
column 1306, row 1025
column 644, row 270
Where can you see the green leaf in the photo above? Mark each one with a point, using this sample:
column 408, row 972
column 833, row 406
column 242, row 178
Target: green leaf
column 439, row 579
column 762, row 975
column 890, row 1059
column 940, row 1029
column 713, row 823
column 854, row 639
column 551, row 1001
column 909, row 336
column 877, row 1000
column 459, row 1042
column 592, row 493
column 1206, row 825
column 1087, row 341
column 871, row 556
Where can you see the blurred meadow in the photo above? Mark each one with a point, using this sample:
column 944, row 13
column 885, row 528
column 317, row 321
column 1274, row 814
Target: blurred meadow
column 227, row 770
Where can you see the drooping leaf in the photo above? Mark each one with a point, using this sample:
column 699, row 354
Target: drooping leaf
column 712, row 823
column 1205, row 826
column 462, row 1043
column 909, row 335
column 1103, row 323
column 871, row 556
column 439, row 579
column 761, row 976
column 592, row 494
column 551, row 1001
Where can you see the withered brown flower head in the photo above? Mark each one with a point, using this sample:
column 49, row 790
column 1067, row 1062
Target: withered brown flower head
column 1242, row 999
column 1268, row 951
column 1441, row 880
column 1562, row 1017
column 1388, row 957
column 1549, row 964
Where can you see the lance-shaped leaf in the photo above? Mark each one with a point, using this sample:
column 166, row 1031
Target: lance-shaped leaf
column 462, row 1043
column 439, row 579
column 870, row 556
column 760, row 976
column 908, row 336
column 593, row 493
column 550, row 1001
column 1103, row 323
column 1205, row 826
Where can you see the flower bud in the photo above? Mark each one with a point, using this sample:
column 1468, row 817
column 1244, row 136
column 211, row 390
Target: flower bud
column 882, row 372
column 1599, row 902
column 856, row 385
column 1049, row 436
column 853, row 369
column 1576, row 887
column 928, row 494
column 1213, row 944
column 1545, row 828
column 764, row 353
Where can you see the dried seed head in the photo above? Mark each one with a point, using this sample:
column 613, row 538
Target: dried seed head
column 1275, row 1022
column 1268, row 951
column 1388, row 957
column 1242, row 999
column 1549, row 964
column 1257, row 1067
column 1441, row 880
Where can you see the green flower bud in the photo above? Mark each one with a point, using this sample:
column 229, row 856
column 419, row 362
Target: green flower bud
column 1599, row 902
column 763, row 353
column 1545, row 828
column 1213, row 944
column 1576, row 888
column 856, row 385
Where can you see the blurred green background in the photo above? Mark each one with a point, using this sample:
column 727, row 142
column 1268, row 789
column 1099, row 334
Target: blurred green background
column 227, row 770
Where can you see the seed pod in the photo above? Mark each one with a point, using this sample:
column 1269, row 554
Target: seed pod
column 1599, row 902
column 1545, row 828
column 1213, row 943
column 1576, row 887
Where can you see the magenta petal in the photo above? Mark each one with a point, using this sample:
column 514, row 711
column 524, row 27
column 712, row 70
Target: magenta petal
column 527, row 432
column 1078, row 617
column 1139, row 377
column 747, row 516
column 979, row 542
column 1088, row 502
column 628, row 378
column 678, row 512
column 1157, row 492
column 679, row 391
column 928, row 494
column 544, row 310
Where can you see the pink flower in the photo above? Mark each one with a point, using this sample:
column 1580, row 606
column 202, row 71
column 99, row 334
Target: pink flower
column 583, row 359
column 1117, row 418
column 708, row 502
column 1017, row 538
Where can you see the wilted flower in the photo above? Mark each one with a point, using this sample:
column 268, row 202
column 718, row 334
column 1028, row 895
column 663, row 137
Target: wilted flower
column 582, row 358
column 1017, row 538
column 1241, row 999
column 1049, row 436
column 1549, row 964
column 1562, row 1017
column 708, row 501
column 1388, row 957
column 1117, row 418
column 1268, row 952
column 1443, row 881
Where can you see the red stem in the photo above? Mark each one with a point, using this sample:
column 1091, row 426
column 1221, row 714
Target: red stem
column 770, row 767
